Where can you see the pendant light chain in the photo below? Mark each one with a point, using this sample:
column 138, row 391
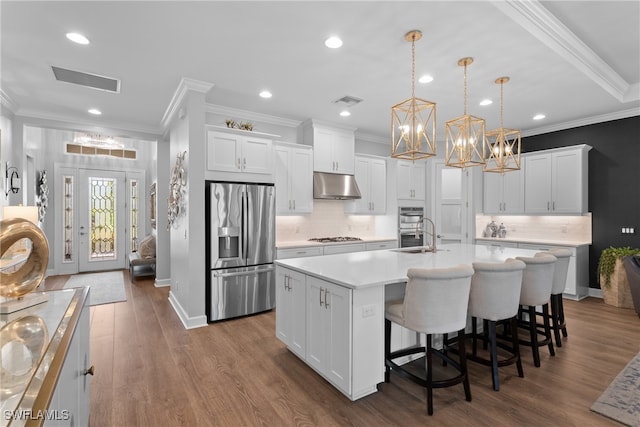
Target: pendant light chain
column 501, row 101
column 465, row 88
column 413, row 67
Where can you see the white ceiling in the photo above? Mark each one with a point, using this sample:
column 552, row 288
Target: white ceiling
column 575, row 61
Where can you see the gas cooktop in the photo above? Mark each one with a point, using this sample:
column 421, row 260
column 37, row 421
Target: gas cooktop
column 334, row 239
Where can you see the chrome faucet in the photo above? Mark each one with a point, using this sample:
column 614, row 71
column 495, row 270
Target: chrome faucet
column 433, row 231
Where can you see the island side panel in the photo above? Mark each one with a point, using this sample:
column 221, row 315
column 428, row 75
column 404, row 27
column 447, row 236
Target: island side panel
column 368, row 341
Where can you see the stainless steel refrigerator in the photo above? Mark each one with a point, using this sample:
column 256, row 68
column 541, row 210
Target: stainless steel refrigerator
column 241, row 249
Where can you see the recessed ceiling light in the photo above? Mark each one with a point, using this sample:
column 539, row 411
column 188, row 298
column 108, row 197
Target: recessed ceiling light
column 345, row 113
column 333, row 42
column 265, row 94
column 486, row 102
column 95, row 111
column 539, row 117
column 77, row 38
column 425, row 79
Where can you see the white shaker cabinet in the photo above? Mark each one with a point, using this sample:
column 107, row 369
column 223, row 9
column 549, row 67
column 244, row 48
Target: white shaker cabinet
column 371, row 176
column 411, row 179
column 504, row 193
column 556, row 181
column 231, row 152
column 333, row 147
column 291, row 318
column 293, row 178
column 328, row 312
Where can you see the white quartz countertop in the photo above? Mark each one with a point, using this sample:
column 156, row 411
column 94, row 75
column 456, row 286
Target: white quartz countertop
column 307, row 243
column 374, row 268
column 544, row 241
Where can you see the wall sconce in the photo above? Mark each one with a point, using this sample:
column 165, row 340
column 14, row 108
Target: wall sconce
column 11, row 180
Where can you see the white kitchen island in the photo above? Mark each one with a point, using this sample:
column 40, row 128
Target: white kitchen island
column 330, row 309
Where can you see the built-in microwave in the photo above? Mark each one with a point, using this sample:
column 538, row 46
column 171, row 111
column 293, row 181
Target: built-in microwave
column 410, row 226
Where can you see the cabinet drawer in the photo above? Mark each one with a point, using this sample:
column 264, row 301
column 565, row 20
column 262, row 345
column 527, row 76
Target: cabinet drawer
column 343, row 249
column 374, row 246
column 299, row 252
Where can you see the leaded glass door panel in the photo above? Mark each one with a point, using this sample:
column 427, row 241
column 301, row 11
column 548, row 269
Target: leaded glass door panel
column 102, row 222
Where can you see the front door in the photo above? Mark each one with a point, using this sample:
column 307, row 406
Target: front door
column 102, row 223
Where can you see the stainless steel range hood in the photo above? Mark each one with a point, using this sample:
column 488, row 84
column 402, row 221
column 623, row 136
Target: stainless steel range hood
column 335, row 186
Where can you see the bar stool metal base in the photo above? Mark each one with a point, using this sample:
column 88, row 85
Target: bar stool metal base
column 429, row 383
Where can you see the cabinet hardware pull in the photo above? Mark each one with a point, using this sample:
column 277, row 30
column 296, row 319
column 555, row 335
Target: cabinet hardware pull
column 244, row 163
column 321, row 292
column 294, row 205
column 554, row 205
column 289, row 204
column 326, row 303
column 89, row 371
column 238, row 163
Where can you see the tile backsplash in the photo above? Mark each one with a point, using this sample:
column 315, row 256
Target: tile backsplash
column 569, row 228
column 328, row 219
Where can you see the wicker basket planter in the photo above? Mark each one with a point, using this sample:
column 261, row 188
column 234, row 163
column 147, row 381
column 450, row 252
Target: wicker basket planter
column 617, row 293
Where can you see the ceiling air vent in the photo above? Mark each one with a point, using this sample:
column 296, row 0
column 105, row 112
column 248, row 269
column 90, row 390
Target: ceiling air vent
column 85, row 79
column 348, row 101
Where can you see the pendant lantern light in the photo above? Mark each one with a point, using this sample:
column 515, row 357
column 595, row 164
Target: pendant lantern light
column 504, row 144
column 413, row 121
column 465, row 135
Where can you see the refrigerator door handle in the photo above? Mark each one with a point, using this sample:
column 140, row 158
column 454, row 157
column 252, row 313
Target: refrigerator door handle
column 244, row 273
column 245, row 225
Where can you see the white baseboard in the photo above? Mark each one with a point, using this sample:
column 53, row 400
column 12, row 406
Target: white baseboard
column 161, row 283
column 594, row 292
column 187, row 322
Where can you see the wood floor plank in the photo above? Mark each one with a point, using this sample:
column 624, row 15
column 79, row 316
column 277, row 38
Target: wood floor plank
column 151, row 371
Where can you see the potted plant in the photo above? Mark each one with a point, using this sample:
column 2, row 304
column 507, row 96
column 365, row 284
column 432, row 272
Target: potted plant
column 613, row 278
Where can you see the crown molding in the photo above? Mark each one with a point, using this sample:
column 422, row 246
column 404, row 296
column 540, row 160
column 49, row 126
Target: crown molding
column 40, row 118
column 583, row 122
column 532, row 16
column 250, row 115
column 369, row 137
column 7, row 102
column 184, row 86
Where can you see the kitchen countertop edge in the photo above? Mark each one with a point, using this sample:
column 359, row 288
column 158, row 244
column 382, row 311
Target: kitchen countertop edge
column 551, row 242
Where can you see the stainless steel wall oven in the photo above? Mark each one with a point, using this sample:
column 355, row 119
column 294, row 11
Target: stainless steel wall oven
column 410, row 226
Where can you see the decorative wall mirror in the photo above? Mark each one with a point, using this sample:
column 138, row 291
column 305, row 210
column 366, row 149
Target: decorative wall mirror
column 152, row 205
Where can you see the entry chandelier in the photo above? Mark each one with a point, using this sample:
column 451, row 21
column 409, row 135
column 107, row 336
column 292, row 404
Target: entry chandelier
column 413, row 121
column 504, row 144
column 465, row 135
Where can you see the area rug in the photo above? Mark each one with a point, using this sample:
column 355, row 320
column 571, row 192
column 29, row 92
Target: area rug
column 106, row 287
column 621, row 400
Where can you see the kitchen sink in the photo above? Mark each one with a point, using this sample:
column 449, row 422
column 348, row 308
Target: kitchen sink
column 415, row 250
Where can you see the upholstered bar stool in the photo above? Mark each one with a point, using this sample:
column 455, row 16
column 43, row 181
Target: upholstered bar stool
column 561, row 270
column 537, row 280
column 435, row 302
column 495, row 297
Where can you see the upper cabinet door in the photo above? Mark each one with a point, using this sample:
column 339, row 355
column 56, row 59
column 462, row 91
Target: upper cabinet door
column 256, row 155
column 293, row 179
column 492, row 193
column 223, row 152
column 344, row 152
column 378, row 186
column 567, row 179
column 419, row 180
column 512, row 192
column 537, row 181
column 323, row 152
column 301, row 178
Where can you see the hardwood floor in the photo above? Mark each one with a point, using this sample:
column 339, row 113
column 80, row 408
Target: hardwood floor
column 150, row 371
